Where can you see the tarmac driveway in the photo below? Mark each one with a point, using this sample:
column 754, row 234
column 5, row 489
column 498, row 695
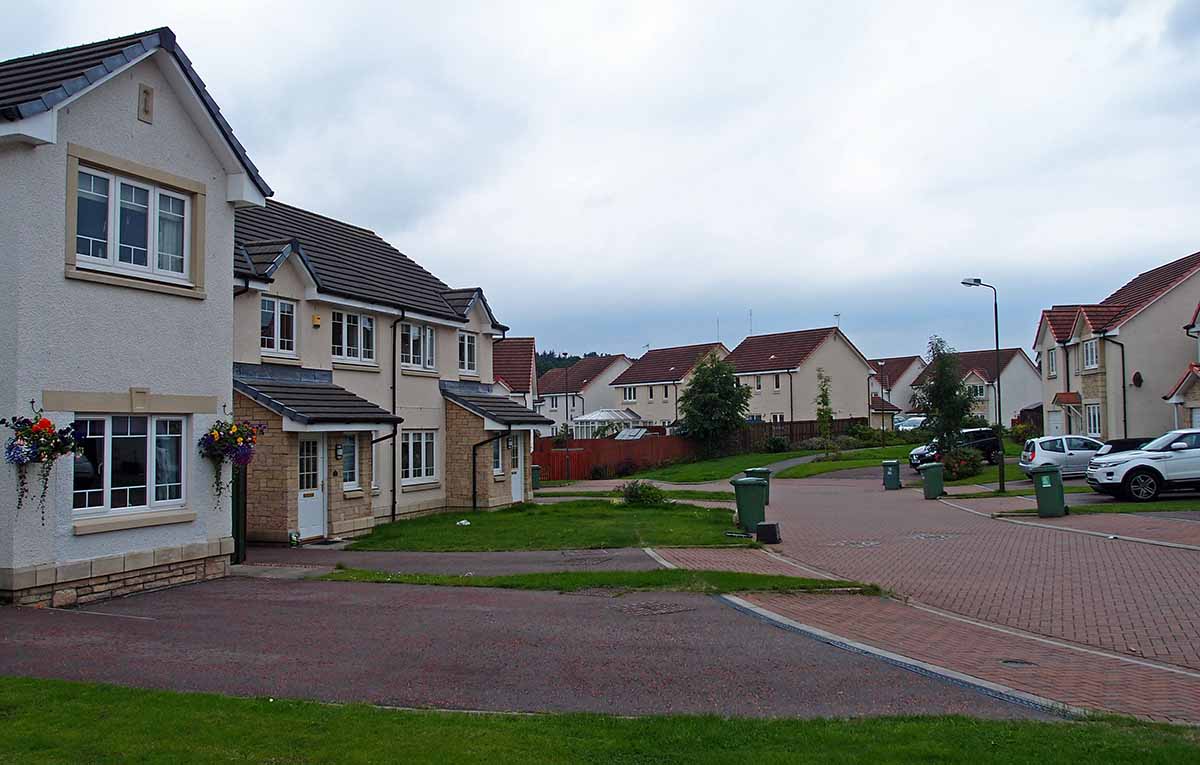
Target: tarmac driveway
column 467, row 648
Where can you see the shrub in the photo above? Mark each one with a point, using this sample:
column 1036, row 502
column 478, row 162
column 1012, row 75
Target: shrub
column 962, row 463
column 1022, row 432
column 642, row 493
column 776, row 444
column 599, row 472
column 816, row 443
column 625, row 468
column 846, row 442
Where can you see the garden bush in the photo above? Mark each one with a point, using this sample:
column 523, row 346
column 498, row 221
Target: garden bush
column 843, row 442
column 776, row 444
column 815, row 443
column 962, row 463
column 626, row 468
column 642, row 493
column 1022, row 432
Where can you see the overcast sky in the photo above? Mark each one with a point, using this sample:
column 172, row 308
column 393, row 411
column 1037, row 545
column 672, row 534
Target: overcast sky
column 621, row 176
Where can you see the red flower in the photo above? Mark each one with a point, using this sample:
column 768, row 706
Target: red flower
column 43, row 425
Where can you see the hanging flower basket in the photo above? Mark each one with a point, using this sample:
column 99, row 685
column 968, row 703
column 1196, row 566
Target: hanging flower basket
column 228, row 440
column 36, row 440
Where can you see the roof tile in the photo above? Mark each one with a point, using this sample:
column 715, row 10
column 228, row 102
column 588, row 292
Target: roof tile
column 578, row 375
column 781, row 350
column 665, row 364
column 513, row 360
column 981, row 362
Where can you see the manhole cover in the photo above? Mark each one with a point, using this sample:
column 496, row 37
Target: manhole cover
column 855, row 543
column 927, row 536
column 589, row 558
column 653, row 608
column 1017, row 663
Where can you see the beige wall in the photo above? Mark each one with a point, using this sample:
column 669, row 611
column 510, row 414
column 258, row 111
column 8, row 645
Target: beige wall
column 651, row 402
column 901, row 392
column 847, row 371
column 595, row 395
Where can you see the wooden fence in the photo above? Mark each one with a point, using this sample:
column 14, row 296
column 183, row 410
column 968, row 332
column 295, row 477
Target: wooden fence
column 605, row 457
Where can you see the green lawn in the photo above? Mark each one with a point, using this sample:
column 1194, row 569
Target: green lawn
column 714, row 496
column 552, row 484
column 1161, row 506
column 1019, row 493
column 584, row 524
column 51, row 721
column 809, row 469
column 670, row 579
column 717, row 469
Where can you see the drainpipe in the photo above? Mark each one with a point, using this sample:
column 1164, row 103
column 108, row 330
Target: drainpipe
column 676, row 387
column 395, row 425
column 475, row 465
column 243, row 289
column 791, row 396
column 1124, row 389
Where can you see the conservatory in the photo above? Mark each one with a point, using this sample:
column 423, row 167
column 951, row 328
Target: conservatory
column 606, row 423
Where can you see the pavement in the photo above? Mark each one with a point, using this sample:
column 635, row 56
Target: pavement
column 471, row 649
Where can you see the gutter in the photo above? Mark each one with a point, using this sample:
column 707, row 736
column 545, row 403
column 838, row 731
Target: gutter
column 475, row 465
column 1124, row 388
column 395, row 426
column 244, row 289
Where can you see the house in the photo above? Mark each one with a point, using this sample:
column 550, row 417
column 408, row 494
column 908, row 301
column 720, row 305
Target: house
column 1019, row 382
column 514, row 364
column 781, row 370
column 891, row 387
column 374, row 380
column 1185, row 395
column 1106, row 365
column 119, row 182
column 583, row 387
column 652, row 384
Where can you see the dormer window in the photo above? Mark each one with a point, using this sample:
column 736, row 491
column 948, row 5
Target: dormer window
column 466, row 353
column 277, row 326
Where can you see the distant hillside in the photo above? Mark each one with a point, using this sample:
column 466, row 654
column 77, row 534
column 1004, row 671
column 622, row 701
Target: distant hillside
column 547, row 360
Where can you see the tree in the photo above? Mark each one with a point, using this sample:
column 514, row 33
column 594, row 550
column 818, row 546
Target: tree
column 714, row 405
column 547, row 360
column 944, row 396
column 824, row 404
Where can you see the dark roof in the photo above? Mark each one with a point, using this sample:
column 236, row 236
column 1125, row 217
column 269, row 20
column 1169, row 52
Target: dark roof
column 499, row 408
column 345, row 260
column 781, row 350
column 665, row 364
column 879, row 405
column 1122, row 305
column 513, row 360
column 981, row 362
column 310, row 403
column 891, row 369
column 577, row 375
column 34, row 84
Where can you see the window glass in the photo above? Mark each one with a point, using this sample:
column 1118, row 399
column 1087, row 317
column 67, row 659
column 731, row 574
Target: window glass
column 89, row 465
column 91, row 216
column 350, row 460
column 430, row 348
column 1054, row 445
column 497, row 467
column 368, row 338
column 1051, row 362
column 418, row 455
column 168, row 460
column 339, row 348
column 170, row 233
column 776, row 382
column 266, row 335
column 352, row 335
column 287, row 326
column 128, row 487
column 429, row 458
column 405, row 449
column 466, row 352
column 1082, row 445
column 134, row 225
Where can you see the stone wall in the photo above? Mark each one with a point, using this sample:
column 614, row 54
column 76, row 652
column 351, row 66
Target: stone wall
column 464, row 430
column 350, row 511
column 272, row 481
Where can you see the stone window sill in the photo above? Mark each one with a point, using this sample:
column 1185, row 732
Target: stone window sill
column 352, row 494
column 411, row 487
column 119, row 280
column 418, row 372
column 354, row 367
column 290, row 361
column 103, row 523
column 499, row 478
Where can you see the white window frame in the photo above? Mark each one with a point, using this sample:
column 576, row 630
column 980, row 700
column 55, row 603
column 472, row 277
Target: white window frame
column 350, row 483
column 468, row 353
column 497, row 458
column 1052, row 363
column 629, row 393
column 374, row 463
column 981, row 388
column 776, row 417
column 1091, row 354
column 426, row 337
column 151, row 466
column 362, row 321
column 277, row 339
column 410, row 439
column 758, row 383
column 553, row 403
column 112, row 261
column 1090, row 410
column 778, row 381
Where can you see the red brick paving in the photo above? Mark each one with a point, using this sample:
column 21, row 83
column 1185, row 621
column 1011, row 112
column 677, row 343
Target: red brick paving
column 1131, row 598
column 1068, row 676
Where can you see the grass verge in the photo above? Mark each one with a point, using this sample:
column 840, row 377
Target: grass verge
column 1017, row 493
column 809, row 469
column 53, row 721
column 583, row 524
column 1162, row 506
column 672, row 580
column 713, row 496
column 717, row 469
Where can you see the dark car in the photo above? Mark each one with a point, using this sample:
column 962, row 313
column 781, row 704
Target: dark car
column 1116, row 445
column 983, row 440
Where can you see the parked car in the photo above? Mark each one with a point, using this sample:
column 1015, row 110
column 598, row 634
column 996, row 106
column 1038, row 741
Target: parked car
column 912, row 422
column 1070, row 453
column 982, row 439
column 1116, row 445
column 1169, row 462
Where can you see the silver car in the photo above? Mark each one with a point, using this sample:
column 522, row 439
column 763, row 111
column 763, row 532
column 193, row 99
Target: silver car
column 1070, row 453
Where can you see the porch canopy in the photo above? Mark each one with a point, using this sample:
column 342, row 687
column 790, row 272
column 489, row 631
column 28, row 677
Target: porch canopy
column 499, row 412
column 316, row 406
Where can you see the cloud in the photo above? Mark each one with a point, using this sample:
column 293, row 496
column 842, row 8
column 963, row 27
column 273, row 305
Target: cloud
column 621, row 175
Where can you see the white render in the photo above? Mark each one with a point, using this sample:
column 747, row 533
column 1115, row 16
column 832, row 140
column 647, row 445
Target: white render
column 596, row 394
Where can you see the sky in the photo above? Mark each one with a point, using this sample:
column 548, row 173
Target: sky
column 621, row 176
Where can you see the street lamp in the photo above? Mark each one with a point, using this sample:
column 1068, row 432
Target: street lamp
column 977, row 282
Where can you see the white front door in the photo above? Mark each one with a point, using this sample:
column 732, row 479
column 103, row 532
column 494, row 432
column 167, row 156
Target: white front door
column 1054, row 423
column 311, row 501
column 516, row 461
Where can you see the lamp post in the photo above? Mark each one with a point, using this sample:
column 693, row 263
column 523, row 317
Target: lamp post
column 977, row 282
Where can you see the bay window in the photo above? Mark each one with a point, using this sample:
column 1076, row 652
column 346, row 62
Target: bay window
column 128, row 462
column 418, row 459
column 131, row 226
column 353, row 336
column 277, row 326
column 466, row 353
column 418, row 346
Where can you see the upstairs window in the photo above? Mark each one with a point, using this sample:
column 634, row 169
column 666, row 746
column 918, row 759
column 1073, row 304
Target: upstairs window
column 1091, row 354
column 553, row 403
column 277, row 326
column 418, row 346
column 666, row 392
column 629, row 393
column 131, row 226
column 466, row 353
column 353, row 337
column 757, row 382
column 777, row 382
column 1052, row 362
column 976, row 391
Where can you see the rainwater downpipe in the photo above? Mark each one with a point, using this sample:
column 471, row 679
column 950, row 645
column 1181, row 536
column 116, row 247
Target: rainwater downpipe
column 791, row 396
column 1124, row 389
column 475, row 465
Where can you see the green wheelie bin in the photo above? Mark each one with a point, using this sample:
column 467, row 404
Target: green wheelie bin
column 751, row 494
column 1048, row 485
column 537, row 476
column 931, row 479
column 763, row 473
column 891, row 475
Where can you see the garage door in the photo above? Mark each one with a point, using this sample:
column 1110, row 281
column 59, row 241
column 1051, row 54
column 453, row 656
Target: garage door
column 1054, row 423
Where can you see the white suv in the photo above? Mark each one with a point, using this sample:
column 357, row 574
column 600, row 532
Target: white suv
column 1168, row 462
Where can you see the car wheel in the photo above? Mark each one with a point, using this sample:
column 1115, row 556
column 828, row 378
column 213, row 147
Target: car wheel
column 995, row 457
column 1142, row 486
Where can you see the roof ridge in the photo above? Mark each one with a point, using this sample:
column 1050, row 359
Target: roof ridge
column 794, row 332
column 136, row 36
column 322, row 216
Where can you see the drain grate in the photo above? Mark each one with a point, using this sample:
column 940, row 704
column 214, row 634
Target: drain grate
column 653, row 608
column 1017, row 663
column 855, row 543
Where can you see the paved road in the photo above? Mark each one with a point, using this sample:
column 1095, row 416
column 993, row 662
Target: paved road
column 466, row 648
column 457, row 563
column 1135, row 599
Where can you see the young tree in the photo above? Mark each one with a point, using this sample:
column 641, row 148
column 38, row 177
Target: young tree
column 714, row 405
column 824, row 404
column 944, row 396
